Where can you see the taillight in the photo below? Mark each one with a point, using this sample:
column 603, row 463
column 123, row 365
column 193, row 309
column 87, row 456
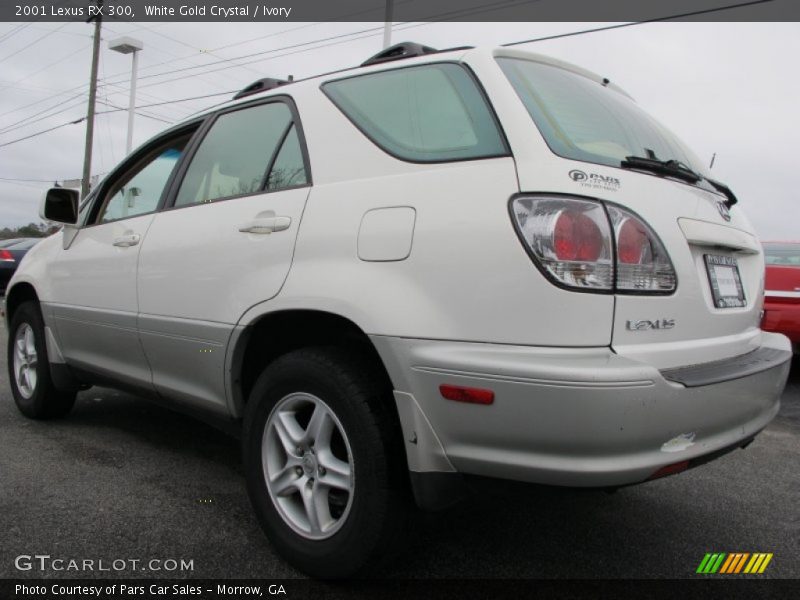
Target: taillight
column 571, row 240
column 643, row 264
column 576, row 237
column 6, row 256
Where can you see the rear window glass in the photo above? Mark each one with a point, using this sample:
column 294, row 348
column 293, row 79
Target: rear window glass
column 431, row 113
column 782, row 254
column 583, row 120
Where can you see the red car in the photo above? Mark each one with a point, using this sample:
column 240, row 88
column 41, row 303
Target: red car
column 782, row 290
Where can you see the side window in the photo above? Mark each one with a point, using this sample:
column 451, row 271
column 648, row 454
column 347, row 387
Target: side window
column 233, row 158
column 430, row 113
column 138, row 191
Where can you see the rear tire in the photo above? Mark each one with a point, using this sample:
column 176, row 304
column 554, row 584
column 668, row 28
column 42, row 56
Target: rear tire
column 319, row 428
column 29, row 367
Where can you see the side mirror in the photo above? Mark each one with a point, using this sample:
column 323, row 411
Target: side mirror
column 60, row 205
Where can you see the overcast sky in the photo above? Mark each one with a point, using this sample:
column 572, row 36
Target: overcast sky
column 729, row 88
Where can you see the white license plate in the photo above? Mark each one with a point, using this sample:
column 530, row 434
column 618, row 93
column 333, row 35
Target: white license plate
column 725, row 281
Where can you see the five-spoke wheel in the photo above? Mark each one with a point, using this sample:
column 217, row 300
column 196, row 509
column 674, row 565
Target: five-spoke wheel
column 25, row 360
column 308, row 465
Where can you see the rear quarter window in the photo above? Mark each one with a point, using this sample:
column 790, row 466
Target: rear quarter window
column 429, row 113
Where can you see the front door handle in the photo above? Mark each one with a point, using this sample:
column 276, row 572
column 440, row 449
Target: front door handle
column 266, row 225
column 125, row 241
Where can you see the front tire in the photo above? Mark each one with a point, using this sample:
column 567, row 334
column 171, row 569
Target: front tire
column 29, row 368
column 324, row 466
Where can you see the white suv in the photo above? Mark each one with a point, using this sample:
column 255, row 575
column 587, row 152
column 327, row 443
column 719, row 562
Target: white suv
column 438, row 264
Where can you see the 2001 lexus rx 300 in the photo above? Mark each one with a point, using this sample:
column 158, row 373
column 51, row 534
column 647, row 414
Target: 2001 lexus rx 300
column 438, row 264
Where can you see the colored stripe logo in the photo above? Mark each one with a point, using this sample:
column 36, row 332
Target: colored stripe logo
column 734, row 563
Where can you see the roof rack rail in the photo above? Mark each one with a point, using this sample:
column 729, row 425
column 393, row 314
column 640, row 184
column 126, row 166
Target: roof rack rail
column 398, row 52
column 262, row 85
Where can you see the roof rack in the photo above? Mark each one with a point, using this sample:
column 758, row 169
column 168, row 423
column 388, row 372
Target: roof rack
column 398, row 52
column 262, row 85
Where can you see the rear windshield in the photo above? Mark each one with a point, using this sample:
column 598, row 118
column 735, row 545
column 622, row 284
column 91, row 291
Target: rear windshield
column 430, row 113
column 782, row 254
column 583, row 120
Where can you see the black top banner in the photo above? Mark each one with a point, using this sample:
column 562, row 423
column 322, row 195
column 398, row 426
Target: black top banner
column 399, row 10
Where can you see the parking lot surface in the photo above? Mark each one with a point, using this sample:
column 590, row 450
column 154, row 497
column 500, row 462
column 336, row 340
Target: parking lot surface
column 121, row 478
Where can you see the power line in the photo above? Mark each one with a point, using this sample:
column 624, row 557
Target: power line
column 27, row 180
column 14, row 31
column 29, row 120
column 261, row 53
column 635, row 23
column 48, row 66
column 337, row 39
column 33, row 135
column 106, row 82
column 152, row 31
column 33, row 43
column 172, row 101
column 143, row 114
column 16, row 126
column 80, row 120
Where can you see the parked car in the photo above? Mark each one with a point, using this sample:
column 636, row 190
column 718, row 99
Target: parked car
column 782, row 295
column 437, row 265
column 11, row 253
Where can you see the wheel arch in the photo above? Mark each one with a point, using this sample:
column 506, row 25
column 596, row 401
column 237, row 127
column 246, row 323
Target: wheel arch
column 21, row 292
column 276, row 333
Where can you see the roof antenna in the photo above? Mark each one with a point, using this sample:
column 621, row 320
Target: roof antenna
column 711, row 166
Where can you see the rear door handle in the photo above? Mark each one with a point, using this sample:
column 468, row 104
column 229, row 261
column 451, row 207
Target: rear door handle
column 125, row 241
column 266, row 225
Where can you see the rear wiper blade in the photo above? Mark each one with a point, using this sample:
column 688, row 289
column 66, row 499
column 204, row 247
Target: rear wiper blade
column 673, row 168
column 725, row 190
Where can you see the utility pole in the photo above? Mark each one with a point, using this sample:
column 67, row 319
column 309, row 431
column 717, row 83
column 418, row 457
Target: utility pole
column 87, row 153
column 387, row 26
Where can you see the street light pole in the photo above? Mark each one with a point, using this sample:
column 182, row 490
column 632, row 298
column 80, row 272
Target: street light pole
column 387, row 24
column 132, row 103
column 128, row 45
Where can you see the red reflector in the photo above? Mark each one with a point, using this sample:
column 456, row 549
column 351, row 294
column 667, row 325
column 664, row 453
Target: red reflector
column 465, row 394
column 670, row 469
column 6, row 256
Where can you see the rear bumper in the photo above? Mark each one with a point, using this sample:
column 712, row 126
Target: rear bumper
column 574, row 417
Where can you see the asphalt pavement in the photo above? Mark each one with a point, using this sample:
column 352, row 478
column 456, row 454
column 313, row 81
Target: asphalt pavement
column 122, row 479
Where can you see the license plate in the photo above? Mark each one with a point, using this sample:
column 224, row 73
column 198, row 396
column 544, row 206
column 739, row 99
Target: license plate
column 726, row 283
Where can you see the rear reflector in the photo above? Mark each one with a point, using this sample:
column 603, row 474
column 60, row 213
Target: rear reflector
column 466, row 394
column 670, row 469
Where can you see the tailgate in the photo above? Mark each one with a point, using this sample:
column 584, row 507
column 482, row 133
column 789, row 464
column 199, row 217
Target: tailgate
column 715, row 310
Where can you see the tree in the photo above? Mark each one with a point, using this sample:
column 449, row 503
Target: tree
column 33, row 230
